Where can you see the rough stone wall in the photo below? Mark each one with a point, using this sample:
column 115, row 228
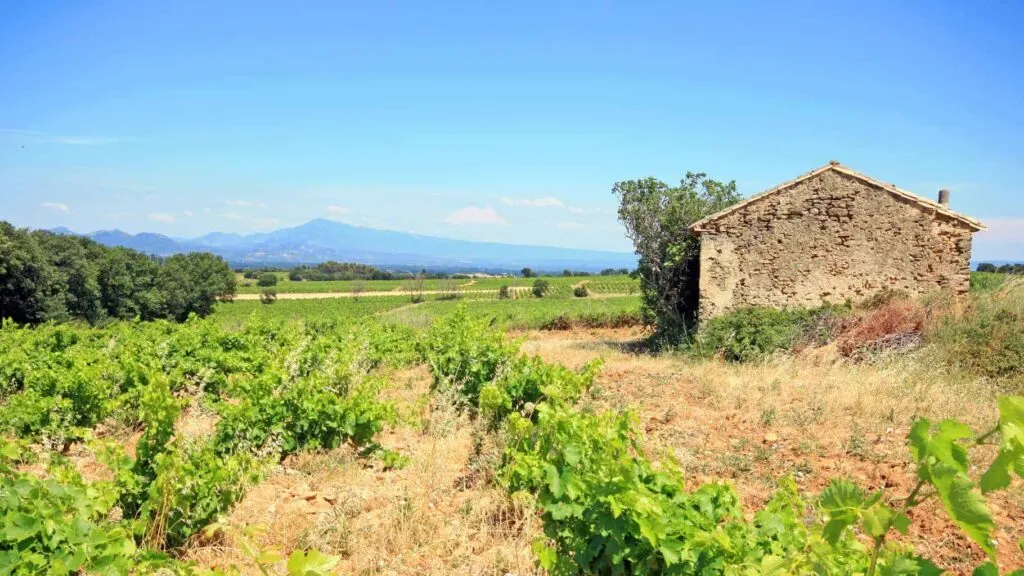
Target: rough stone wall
column 826, row 239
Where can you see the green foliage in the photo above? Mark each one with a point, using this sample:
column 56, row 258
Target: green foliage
column 504, row 293
column 268, row 296
column 988, row 338
column 527, row 273
column 528, row 381
column 192, row 283
column 62, row 525
column 750, row 334
column 580, row 292
column 657, row 218
column 56, row 277
column 267, row 279
column 540, row 287
column 465, row 354
column 276, row 390
column 607, row 509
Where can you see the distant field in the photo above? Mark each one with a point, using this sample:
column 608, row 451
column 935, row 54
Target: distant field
column 237, row 313
column 526, row 313
column 561, row 286
column 522, row 313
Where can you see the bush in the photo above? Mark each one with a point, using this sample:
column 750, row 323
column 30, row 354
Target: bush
column 987, row 337
column 268, row 296
column 267, row 279
column 540, row 287
column 295, row 276
column 504, row 293
column 580, row 292
column 752, row 333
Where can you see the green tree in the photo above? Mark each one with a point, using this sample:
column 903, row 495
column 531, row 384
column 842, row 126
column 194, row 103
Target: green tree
column 986, row 267
column 267, row 279
column 527, row 273
column 192, row 283
column 657, row 218
column 127, row 281
column 540, row 287
column 26, row 278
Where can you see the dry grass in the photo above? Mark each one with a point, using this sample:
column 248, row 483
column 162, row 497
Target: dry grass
column 423, row 519
column 813, row 417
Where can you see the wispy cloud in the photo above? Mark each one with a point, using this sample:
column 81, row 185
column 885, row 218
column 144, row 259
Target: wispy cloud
column 233, row 216
column 164, row 217
column 567, row 225
column 335, row 210
column 188, row 213
column 37, row 137
column 477, row 216
column 545, row 202
column 56, row 206
column 239, row 203
column 265, row 223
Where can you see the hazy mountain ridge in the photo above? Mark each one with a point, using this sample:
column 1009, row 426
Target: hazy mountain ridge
column 321, row 240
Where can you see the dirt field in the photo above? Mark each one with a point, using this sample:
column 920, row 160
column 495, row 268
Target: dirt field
column 811, row 418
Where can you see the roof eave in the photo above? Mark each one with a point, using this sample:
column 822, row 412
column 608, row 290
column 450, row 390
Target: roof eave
column 698, row 227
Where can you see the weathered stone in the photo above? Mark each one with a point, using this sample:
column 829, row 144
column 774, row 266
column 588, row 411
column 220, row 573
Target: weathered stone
column 849, row 238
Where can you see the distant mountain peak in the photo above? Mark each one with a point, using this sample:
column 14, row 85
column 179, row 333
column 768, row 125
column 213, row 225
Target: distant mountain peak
column 321, row 239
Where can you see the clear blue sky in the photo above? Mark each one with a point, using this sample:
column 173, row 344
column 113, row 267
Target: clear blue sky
column 499, row 121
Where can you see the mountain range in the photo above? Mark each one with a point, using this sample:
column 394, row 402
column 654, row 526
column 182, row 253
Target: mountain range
column 322, row 240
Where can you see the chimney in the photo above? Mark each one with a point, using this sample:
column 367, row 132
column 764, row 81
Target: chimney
column 944, row 197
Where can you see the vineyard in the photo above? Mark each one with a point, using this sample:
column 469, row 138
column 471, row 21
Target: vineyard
column 561, row 286
column 141, row 446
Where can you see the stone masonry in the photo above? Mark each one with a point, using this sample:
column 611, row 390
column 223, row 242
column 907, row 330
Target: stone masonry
column 829, row 236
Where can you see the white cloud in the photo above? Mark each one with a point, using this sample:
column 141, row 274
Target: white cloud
column 576, row 210
column 336, row 210
column 265, row 223
column 1003, row 240
column 206, row 210
column 231, row 216
column 188, row 213
column 570, row 225
column 475, row 215
column 544, row 202
column 239, row 203
column 56, row 206
column 165, row 217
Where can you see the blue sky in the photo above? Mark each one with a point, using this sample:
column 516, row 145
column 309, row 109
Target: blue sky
column 493, row 121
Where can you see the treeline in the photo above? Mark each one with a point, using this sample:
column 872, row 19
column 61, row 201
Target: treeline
column 1017, row 268
column 56, row 277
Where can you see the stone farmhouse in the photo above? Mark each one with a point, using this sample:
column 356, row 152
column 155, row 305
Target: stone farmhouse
column 830, row 235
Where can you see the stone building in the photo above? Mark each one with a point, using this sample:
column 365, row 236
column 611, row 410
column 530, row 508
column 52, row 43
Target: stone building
column 830, row 235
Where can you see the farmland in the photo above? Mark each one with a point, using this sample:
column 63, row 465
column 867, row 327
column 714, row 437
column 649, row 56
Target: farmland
column 561, row 286
column 400, row 438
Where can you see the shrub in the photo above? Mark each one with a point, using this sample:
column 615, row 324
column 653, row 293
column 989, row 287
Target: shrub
column 464, row 354
column 295, row 276
column 268, row 296
column 504, row 292
column 267, row 279
column 751, row 333
column 987, row 337
column 580, row 292
column 540, row 287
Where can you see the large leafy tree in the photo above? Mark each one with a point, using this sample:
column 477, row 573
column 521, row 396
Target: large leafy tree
column 26, row 278
column 192, row 283
column 657, row 218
